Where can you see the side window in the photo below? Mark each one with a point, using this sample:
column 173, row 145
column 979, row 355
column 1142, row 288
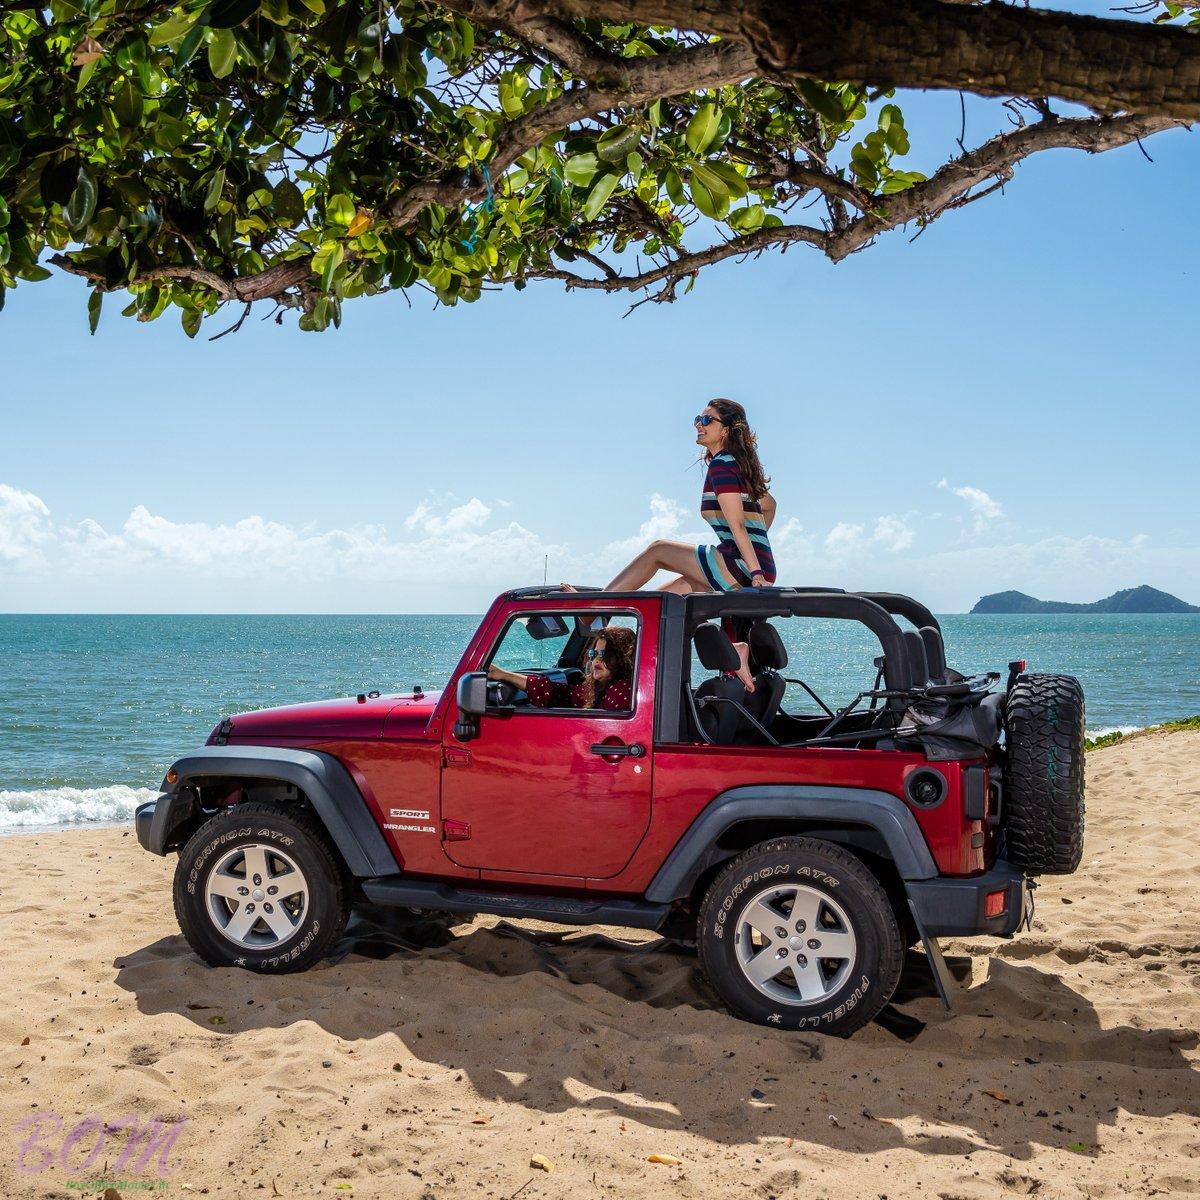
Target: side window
column 545, row 661
column 534, row 643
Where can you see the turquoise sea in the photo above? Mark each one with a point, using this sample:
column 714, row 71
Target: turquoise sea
column 93, row 708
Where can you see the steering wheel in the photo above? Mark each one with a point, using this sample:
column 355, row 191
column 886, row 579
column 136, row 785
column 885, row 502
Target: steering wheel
column 500, row 693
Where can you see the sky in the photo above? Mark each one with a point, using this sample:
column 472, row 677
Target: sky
column 1009, row 401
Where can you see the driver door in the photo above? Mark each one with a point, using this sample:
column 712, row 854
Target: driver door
column 536, row 790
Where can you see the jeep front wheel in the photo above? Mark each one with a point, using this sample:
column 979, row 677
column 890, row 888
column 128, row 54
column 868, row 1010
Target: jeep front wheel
column 799, row 934
column 259, row 887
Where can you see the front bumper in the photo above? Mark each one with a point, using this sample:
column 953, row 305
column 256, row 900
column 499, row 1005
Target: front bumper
column 156, row 820
column 949, row 907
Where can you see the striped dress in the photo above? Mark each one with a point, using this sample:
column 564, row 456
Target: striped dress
column 722, row 564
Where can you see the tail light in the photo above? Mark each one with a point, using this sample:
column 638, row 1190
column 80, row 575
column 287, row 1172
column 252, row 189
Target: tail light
column 995, row 903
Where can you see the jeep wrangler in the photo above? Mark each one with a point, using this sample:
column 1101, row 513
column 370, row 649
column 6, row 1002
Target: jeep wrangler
column 803, row 847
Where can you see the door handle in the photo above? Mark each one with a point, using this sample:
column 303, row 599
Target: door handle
column 608, row 750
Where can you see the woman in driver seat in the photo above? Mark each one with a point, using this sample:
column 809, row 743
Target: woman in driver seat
column 607, row 664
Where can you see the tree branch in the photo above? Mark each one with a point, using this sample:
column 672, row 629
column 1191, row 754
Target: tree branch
column 947, row 188
column 993, row 50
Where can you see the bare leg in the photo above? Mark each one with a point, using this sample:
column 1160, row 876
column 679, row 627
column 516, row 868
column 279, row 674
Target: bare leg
column 743, row 672
column 679, row 557
column 682, row 587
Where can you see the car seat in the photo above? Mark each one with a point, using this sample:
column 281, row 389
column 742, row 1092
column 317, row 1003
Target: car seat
column 719, row 722
column 767, row 652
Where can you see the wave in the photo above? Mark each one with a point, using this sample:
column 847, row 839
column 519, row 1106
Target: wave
column 63, row 806
column 1105, row 730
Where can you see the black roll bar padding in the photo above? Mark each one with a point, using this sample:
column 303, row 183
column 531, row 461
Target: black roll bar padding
column 845, row 606
column 904, row 606
column 801, row 683
column 707, row 700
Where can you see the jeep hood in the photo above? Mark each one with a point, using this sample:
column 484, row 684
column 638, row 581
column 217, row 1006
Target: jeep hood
column 403, row 713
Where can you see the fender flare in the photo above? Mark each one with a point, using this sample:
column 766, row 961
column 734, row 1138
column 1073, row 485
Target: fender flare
column 322, row 778
column 882, row 812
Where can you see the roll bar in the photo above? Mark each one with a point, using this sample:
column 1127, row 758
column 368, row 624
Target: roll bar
column 844, row 606
column 904, row 606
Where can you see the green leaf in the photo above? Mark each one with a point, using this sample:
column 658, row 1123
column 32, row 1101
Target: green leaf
column 598, row 196
column 222, row 51
column 704, row 200
column 747, row 220
column 581, row 168
column 128, row 104
column 339, row 210
column 212, row 193
column 674, row 185
column 225, row 14
column 616, row 143
column 95, row 303
column 190, row 320
column 712, row 181
column 82, row 204
column 702, row 128
column 733, row 182
column 325, row 262
column 172, row 30
column 289, row 202
column 821, row 100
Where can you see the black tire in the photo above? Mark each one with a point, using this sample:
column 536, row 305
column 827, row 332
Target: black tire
column 1043, row 777
column 834, row 879
column 287, row 834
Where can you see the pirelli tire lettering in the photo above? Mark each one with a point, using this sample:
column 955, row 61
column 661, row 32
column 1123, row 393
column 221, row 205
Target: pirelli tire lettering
column 857, row 987
column 325, row 908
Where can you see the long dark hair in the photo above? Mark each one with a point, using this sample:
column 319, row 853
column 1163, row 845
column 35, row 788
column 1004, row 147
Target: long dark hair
column 618, row 655
column 741, row 442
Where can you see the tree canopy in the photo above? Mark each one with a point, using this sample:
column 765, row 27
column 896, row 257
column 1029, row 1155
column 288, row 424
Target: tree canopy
column 201, row 153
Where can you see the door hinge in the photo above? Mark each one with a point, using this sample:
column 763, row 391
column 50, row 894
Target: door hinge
column 456, row 831
column 455, row 756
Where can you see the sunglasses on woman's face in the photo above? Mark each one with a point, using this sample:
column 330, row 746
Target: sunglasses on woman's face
column 596, row 652
column 705, row 420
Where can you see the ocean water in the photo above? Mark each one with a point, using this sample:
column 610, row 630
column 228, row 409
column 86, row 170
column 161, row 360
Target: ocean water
column 94, row 708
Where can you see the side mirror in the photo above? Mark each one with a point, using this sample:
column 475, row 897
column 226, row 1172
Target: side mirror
column 472, row 694
column 472, row 704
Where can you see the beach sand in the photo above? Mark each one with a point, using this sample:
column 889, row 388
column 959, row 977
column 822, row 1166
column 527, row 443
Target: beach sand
column 409, row 1068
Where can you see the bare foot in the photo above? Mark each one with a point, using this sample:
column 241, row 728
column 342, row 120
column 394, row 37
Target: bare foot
column 743, row 672
column 567, row 587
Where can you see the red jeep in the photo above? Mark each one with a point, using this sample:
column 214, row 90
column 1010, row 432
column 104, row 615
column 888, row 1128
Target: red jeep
column 803, row 847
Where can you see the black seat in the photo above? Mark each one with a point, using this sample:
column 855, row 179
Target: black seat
column 768, row 654
column 719, row 722
column 918, row 664
column 935, row 653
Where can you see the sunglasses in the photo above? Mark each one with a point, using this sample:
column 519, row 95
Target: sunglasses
column 705, row 420
column 595, row 652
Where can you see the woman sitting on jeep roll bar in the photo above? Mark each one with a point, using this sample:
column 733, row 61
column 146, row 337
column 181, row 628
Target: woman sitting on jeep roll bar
column 735, row 502
column 607, row 664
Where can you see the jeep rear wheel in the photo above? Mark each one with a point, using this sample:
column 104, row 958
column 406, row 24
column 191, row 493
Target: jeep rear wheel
column 1043, row 776
column 799, row 934
column 258, row 886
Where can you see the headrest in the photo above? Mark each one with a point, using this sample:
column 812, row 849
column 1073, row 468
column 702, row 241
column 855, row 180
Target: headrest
column 766, row 646
column 935, row 651
column 914, row 644
column 714, row 649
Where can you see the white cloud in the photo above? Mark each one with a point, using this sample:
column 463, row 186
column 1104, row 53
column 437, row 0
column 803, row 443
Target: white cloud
column 24, row 525
column 465, row 516
column 891, row 533
column 984, row 510
column 456, row 557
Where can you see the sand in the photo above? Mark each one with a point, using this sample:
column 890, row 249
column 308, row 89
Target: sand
column 413, row 1068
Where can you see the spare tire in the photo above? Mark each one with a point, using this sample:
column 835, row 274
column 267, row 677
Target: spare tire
column 1043, row 777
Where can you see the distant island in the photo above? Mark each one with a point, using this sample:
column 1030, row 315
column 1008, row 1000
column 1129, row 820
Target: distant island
column 1144, row 599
